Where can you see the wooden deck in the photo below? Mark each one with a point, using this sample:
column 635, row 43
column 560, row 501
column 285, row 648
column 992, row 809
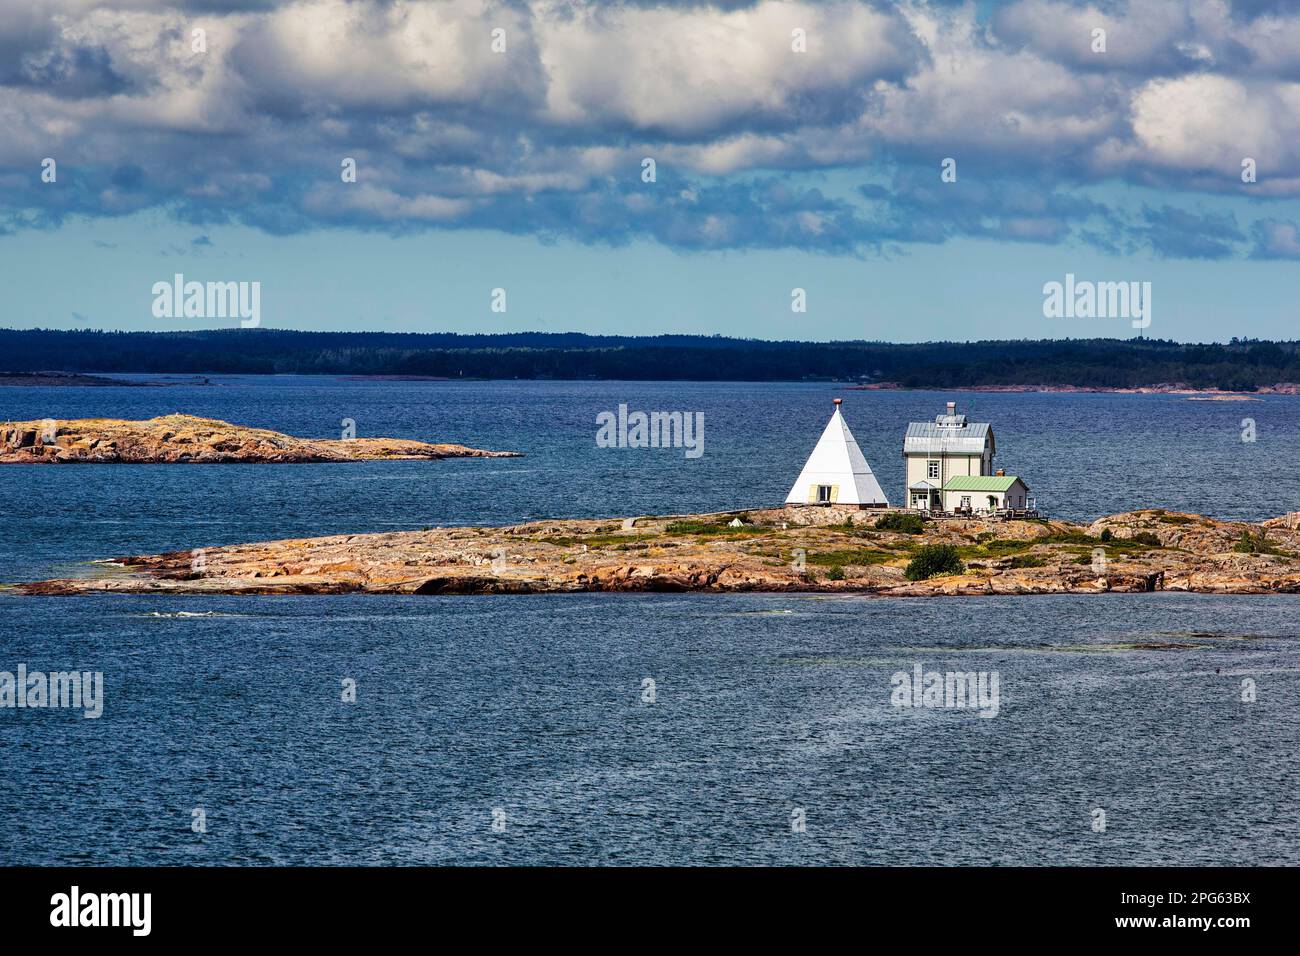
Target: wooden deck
column 996, row 514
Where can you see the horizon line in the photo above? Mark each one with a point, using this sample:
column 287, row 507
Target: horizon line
column 704, row 336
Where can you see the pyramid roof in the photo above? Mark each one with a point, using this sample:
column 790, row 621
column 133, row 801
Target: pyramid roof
column 837, row 460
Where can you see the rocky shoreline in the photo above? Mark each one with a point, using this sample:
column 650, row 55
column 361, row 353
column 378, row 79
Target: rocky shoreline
column 824, row 550
column 186, row 439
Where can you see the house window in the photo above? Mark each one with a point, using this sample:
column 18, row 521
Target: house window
column 823, row 494
column 965, row 502
column 932, row 469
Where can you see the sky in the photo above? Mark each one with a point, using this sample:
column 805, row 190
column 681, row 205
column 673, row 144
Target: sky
column 918, row 170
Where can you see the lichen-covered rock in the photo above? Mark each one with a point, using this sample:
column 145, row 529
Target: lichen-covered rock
column 1174, row 529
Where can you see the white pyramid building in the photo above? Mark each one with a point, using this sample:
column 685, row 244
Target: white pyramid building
column 837, row 473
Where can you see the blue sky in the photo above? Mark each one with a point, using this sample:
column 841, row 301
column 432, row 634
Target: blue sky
column 776, row 168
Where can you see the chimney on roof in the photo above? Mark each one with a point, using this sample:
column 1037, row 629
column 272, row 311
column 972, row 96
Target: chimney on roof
column 952, row 408
column 1001, row 472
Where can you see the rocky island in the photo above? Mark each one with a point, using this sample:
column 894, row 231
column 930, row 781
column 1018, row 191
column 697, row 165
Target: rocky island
column 778, row 550
column 186, row 439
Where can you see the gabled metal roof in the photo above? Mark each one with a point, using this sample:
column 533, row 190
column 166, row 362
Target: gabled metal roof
column 968, row 438
column 982, row 483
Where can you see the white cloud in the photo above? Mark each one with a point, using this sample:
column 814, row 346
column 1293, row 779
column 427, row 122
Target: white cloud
column 1205, row 121
column 688, row 72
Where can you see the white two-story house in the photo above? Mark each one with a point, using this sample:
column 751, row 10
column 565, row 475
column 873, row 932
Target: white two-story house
column 938, row 451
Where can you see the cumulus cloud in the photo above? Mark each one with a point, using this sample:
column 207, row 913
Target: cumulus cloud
column 698, row 73
column 1205, row 122
column 1144, row 38
column 534, row 117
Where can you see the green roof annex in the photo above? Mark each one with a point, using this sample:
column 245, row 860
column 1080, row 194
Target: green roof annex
column 982, row 483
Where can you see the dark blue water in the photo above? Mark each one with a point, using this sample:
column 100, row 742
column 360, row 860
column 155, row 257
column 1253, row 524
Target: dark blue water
column 533, row 705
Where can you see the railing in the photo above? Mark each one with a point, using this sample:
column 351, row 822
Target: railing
column 1005, row 514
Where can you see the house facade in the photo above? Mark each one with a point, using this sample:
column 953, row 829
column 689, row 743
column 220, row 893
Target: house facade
column 939, row 451
column 972, row 493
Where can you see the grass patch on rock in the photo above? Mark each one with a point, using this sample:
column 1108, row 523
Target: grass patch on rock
column 1258, row 544
column 708, row 528
column 596, row 540
column 995, row 548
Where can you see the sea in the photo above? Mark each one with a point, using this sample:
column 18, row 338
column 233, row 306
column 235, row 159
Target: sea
column 635, row 729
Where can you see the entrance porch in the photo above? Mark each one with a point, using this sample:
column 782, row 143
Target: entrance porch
column 924, row 496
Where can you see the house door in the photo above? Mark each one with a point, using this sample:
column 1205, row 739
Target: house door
column 993, row 503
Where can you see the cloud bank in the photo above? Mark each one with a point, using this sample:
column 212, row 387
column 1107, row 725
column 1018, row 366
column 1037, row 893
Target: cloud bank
column 536, row 117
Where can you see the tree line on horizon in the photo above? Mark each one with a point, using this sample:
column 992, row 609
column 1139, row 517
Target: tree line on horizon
column 1239, row 365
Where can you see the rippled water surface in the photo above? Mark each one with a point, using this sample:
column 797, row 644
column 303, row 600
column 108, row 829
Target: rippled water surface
column 533, row 706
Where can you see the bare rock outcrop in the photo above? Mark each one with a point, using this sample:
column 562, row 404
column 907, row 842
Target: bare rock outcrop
column 186, row 439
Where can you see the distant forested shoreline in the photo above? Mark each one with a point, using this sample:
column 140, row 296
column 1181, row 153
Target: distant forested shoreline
column 1240, row 365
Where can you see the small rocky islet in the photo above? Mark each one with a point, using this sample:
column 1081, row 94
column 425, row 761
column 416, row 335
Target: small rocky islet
column 188, row 439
